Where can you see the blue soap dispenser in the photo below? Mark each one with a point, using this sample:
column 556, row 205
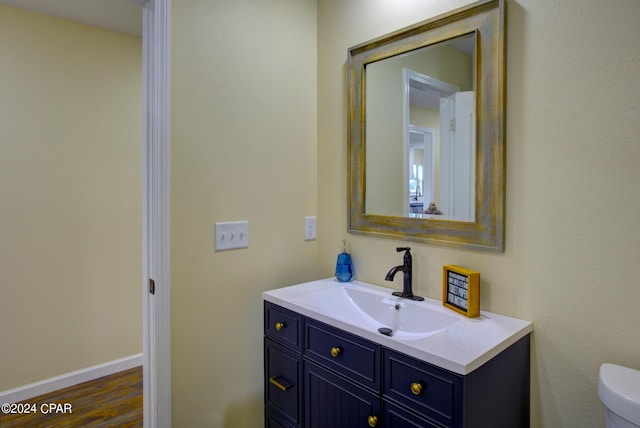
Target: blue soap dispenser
column 344, row 266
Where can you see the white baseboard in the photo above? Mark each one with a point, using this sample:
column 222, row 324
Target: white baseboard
column 45, row 386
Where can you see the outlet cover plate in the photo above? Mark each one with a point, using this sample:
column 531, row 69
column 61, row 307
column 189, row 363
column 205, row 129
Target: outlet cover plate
column 309, row 228
column 231, row 235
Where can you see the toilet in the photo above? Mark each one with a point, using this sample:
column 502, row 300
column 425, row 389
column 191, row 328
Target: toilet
column 619, row 390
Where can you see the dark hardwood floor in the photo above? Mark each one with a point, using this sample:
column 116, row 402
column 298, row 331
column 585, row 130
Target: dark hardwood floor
column 109, row 401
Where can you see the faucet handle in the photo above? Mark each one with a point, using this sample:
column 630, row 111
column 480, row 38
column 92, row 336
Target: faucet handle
column 407, row 254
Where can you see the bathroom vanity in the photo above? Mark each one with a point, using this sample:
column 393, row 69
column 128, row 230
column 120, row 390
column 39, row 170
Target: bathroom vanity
column 327, row 364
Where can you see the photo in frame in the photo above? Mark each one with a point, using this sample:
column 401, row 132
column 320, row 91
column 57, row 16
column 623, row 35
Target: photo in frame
column 461, row 290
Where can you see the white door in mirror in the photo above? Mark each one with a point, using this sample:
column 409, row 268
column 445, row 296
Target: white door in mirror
column 232, row 234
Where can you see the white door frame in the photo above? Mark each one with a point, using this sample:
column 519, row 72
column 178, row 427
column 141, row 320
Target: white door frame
column 413, row 79
column 428, row 163
column 155, row 214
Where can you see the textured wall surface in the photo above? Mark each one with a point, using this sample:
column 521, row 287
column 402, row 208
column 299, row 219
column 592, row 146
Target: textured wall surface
column 243, row 147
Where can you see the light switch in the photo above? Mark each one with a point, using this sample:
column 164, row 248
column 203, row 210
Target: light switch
column 232, row 234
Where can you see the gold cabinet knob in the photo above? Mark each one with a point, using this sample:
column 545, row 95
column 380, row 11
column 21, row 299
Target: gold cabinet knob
column 279, row 326
column 373, row 420
column 416, row 388
column 335, row 351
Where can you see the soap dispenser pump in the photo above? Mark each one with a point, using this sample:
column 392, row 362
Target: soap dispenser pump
column 344, row 265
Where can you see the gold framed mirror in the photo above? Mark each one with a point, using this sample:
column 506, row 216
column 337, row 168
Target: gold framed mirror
column 426, row 131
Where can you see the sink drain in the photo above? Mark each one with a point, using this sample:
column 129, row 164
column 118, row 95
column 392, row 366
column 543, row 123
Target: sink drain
column 386, row 331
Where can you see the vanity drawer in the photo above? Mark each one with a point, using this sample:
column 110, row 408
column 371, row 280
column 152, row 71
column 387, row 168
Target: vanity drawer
column 354, row 357
column 271, row 420
column 283, row 326
column 283, row 382
column 397, row 417
column 427, row 389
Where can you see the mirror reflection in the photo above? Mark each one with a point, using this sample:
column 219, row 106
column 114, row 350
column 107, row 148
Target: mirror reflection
column 420, row 129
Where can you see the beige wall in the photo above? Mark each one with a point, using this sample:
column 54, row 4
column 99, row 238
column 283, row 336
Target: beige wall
column 259, row 134
column 572, row 234
column 243, row 147
column 70, row 196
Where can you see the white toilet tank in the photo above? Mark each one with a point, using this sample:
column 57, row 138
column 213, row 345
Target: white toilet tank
column 619, row 390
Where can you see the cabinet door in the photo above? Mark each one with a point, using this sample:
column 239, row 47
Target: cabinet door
column 332, row 402
column 283, row 373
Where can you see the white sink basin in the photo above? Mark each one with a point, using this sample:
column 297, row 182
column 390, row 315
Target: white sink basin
column 352, row 303
column 425, row 330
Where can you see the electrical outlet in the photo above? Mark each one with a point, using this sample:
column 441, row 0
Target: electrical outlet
column 232, row 234
column 309, row 228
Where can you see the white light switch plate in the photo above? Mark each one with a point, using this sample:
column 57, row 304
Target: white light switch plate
column 232, row 234
column 309, row 228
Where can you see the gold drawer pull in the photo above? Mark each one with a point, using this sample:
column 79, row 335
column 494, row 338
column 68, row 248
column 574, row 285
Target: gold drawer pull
column 277, row 384
column 373, row 420
column 416, row 388
column 335, row 351
column 280, row 326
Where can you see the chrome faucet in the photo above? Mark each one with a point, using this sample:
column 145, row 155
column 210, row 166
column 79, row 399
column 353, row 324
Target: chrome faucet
column 406, row 269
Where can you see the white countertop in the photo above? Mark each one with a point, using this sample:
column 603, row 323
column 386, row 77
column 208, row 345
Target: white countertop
column 461, row 347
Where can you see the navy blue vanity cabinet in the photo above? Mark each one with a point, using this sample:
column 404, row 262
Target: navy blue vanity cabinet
column 496, row 394
column 318, row 376
column 282, row 367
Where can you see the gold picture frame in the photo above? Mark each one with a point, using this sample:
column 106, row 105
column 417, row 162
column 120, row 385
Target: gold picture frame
column 461, row 290
column 487, row 20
